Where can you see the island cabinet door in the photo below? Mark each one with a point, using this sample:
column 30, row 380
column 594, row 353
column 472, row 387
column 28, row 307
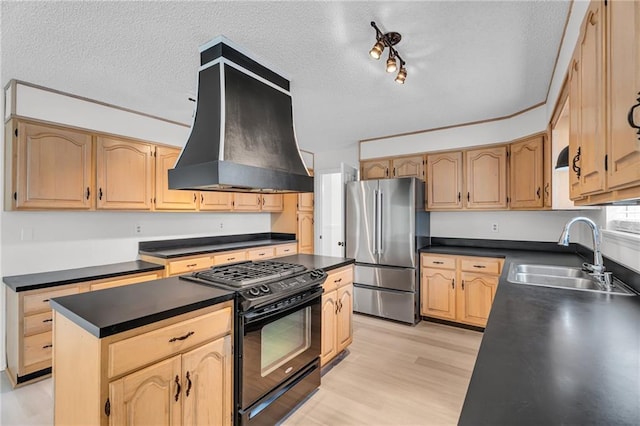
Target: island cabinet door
column 438, row 293
column 329, row 310
column 207, row 395
column 344, row 335
column 151, row 396
column 476, row 294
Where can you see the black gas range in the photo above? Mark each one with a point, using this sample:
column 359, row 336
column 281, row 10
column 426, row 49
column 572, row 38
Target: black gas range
column 278, row 335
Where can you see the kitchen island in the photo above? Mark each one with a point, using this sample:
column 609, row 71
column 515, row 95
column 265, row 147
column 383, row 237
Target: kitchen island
column 554, row 356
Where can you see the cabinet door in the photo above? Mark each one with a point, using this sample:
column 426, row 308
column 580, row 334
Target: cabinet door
column 548, row 171
column 344, row 333
column 124, row 174
column 207, row 384
column 486, row 178
column 476, row 294
column 575, row 191
column 329, row 326
column 444, row 181
column 53, row 169
column 408, row 167
column 527, row 173
column 438, row 293
column 216, row 201
column 305, row 201
column 151, row 396
column 305, row 233
column 272, row 202
column 624, row 91
column 246, row 202
column 376, row 169
column 170, row 199
column 592, row 114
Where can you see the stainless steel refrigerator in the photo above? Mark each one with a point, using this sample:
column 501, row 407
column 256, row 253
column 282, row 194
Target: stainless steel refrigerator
column 386, row 225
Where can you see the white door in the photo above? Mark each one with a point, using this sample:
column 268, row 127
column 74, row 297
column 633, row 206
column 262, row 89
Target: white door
column 330, row 213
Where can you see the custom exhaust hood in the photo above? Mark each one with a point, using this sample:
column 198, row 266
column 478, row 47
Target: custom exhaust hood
column 242, row 137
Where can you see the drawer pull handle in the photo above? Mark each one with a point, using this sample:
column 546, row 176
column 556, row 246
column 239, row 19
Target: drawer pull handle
column 338, row 280
column 45, row 301
column 177, row 388
column 479, row 266
column 47, row 346
column 48, row 320
column 186, row 336
column 191, row 265
column 188, row 385
column 261, row 254
column 287, row 250
column 231, row 258
column 437, row 262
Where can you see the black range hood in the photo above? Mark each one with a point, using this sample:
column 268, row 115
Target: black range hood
column 242, row 137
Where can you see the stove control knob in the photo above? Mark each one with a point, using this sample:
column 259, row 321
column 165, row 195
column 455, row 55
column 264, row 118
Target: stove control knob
column 265, row 288
column 254, row 291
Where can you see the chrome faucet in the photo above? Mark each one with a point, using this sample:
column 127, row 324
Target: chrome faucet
column 597, row 268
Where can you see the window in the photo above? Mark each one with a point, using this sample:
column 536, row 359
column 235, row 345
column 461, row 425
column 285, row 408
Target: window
column 624, row 219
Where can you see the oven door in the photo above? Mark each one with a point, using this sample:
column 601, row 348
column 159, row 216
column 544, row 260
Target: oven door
column 277, row 342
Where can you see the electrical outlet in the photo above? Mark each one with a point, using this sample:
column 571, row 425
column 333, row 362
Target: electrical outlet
column 138, row 228
column 221, row 225
column 494, row 227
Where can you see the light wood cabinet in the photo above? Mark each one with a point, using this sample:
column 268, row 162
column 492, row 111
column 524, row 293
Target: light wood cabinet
column 374, row 169
column 164, row 382
column 305, row 232
column 603, row 141
column 246, row 202
column 486, row 178
column 458, row 288
column 527, row 185
column 215, row 201
column 47, row 167
column 444, row 180
column 272, row 202
column 29, row 322
column 337, row 313
column 412, row 166
column 165, row 198
column 305, row 202
column 124, row 174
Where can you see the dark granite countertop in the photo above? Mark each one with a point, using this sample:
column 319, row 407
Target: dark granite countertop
column 114, row 310
column 311, row 261
column 554, row 356
column 70, row 276
column 169, row 249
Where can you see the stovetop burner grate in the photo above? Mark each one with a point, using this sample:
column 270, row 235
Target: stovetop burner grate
column 250, row 273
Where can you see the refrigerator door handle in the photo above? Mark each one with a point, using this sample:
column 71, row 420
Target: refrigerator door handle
column 375, row 222
column 379, row 224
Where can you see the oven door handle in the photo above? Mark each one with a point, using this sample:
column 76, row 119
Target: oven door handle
column 252, row 317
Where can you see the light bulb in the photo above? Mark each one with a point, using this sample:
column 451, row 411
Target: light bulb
column 391, row 64
column 402, row 75
column 376, row 50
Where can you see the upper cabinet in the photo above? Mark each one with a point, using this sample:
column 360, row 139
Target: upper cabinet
column 272, row 202
column 216, row 201
column 409, row 166
column 526, row 177
column 604, row 82
column 47, row 167
column 124, row 174
column 165, row 198
column 305, row 201
column 444, row 180
column 486, row 178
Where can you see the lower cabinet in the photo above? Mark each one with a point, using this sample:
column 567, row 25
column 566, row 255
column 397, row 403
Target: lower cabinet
column 29, row 341
column 337, row 313
column 152, row 375
column 459, row 288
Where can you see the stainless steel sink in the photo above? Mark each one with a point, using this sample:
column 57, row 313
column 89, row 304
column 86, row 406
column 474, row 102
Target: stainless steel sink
column 561, row 277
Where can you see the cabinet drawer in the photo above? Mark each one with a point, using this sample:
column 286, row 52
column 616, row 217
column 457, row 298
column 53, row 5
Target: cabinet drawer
column 483, row 265
column 338, row 278
column 189, row 265
column 231, row 257
column 37, row 348
column 38, row 323
column 286, row 249
column 259, row 254
column 39, row 302
column 100, row 285
column 146, row 348
column 435, row 261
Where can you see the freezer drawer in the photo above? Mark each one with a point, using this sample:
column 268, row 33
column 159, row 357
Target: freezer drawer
column 403, row 279
column 395, row 305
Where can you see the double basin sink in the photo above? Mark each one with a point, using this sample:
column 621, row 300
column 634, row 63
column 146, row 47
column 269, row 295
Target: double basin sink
column 562, row 277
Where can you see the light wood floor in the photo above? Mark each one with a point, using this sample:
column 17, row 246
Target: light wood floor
column 393, row 375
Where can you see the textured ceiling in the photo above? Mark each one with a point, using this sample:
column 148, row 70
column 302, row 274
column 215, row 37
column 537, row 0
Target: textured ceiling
column 466, row 61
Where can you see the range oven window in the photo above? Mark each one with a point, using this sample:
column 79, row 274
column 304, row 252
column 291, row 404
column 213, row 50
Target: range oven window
column 284, row 339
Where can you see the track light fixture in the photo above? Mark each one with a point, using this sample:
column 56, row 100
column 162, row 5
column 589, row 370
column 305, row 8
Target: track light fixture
column 389, row 40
